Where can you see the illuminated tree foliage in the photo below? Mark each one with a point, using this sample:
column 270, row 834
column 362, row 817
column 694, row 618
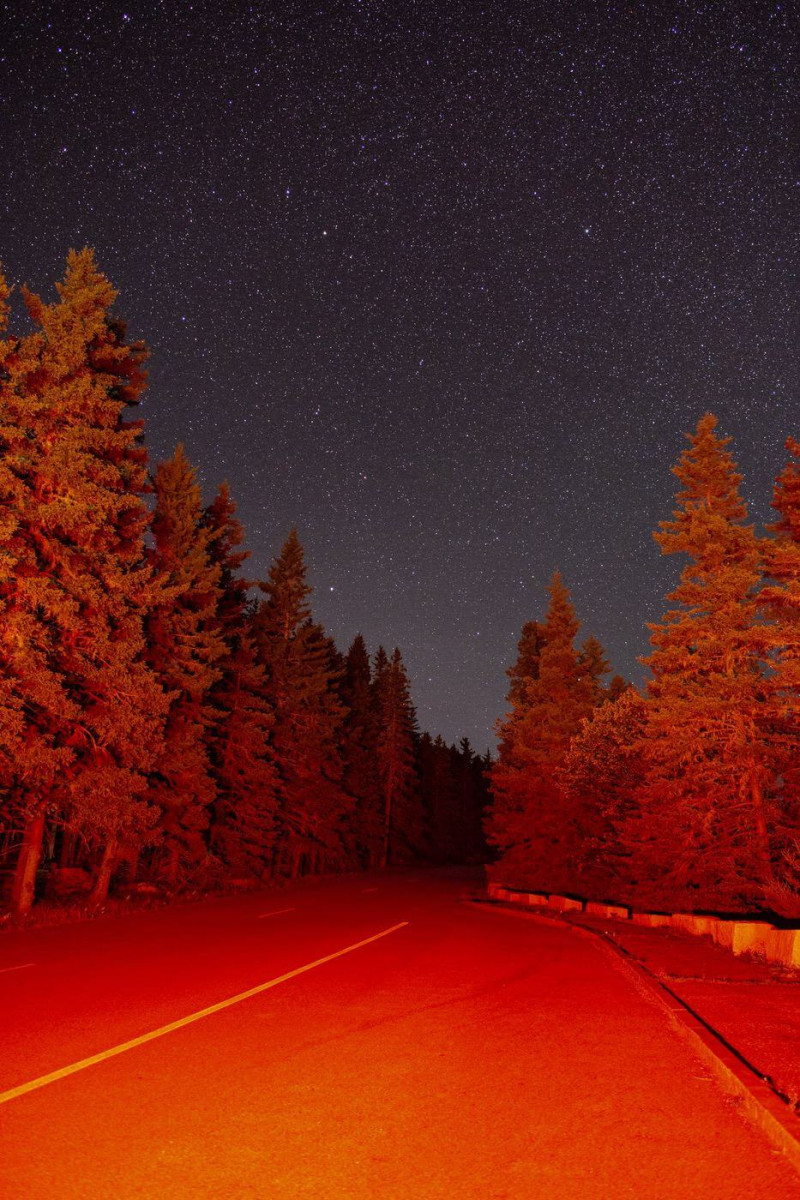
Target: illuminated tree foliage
column 708, row 810
column 780, row 601
column 403, row 836
column 151, row 719
column 241, row 719
column 603, row 775
column 301, row 685
column 528, row 821
column 360, row 778
column 82, row 711
column 184, row 646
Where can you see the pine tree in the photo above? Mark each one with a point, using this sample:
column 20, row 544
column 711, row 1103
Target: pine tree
column 592, row 658
column 74, row 586
column 528, row 820
column 529, row 653
column 444, row 802
column 359, row 757
column 241, row 719
column 301, row 685
column 708, row 779
column 780, row 602
column 403, row 824
column 184, row 646
column 603, row 777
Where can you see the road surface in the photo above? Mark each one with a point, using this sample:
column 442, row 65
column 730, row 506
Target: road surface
column 428, row 1048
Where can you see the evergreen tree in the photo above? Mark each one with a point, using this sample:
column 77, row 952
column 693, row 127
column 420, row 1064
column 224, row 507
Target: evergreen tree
column 708, row 780
column 184, row 646
column 442, row 800
column 359, row 757
column 528, row 821
column 780, row 602
column 74, row 586
column 529, row 653
column 403, row 824
column 238, row 738
column 592, row 658
column 603, row 777
column 301, row 685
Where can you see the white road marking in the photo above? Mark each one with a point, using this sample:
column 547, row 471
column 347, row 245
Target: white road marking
column 21, row 967
column 276, row 913
column 73, row 1068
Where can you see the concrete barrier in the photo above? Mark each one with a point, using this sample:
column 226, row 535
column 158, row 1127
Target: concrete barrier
column 651, row 920
column 564, row 904
column 749, row 937
column 617, row 911
column 692, row 923
column 780, row 946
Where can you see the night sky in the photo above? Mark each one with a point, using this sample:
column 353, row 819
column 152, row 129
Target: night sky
column 443, row 284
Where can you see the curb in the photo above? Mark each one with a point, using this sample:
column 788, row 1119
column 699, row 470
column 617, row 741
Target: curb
column 762, row 1106
column 774, row 944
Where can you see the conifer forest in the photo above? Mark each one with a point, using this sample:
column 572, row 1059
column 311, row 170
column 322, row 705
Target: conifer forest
column 165, row 723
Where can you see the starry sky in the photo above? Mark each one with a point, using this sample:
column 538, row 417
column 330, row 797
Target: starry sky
column 442, row 283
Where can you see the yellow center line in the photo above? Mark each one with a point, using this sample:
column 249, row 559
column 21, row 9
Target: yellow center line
column 73, row 1068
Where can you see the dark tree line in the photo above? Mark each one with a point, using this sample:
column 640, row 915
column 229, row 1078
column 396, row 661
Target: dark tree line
column 686, row 794
column 157, row 721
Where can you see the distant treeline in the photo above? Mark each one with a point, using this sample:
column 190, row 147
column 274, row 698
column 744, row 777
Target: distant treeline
column 687, row 794
column 156, row 722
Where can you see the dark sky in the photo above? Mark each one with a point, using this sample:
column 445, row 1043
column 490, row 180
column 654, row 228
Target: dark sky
column 443, row 284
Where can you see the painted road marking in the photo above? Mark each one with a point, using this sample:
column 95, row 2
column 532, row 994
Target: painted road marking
column 21, row 967
column 276, row 913
column 73, row 1068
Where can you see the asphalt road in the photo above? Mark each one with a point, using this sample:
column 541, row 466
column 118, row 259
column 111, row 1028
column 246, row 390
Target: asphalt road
column 457, row 1052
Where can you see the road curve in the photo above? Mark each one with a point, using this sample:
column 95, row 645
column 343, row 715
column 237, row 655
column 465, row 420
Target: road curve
column 351, row 1038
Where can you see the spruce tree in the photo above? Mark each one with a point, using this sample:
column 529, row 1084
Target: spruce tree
column 526, row 667
column 241, row 718
column 301, row 685
column 593, row 661
column 708, row 803
column 603, row 778
column 528, row 820
column 780, row 602
column 184, row 646
column 359, row 757
column 74, row 584
column 403, row 825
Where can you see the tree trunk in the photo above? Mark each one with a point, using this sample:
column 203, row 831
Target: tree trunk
column 24, row 885
column 100, row 890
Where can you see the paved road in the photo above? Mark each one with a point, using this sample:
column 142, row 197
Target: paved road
column 467, row 1053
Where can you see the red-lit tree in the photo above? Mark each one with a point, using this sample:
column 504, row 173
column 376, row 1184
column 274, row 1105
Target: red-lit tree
column 526, row 667
column 780, row 601
column 184, row 646
column 592, row 659
column 603, row 777
column 359, row 758
column 707, row 803
column 301, row 685
column 74, row 586
column 527, row 820
column 238, row 737
column 403, row 821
